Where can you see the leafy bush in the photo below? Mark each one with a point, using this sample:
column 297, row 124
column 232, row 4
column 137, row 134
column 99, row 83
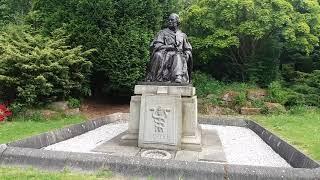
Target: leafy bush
column 277, row 93
column 12, row 11
column 74, row 103
column 35, row 69
column 307, row 87
column 295, row 99
column 241, row 99
column 258, row 103
column 17, row 108
column 206, row 85
column 213, row 90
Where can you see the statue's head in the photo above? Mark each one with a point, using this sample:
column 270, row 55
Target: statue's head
column 173, row 20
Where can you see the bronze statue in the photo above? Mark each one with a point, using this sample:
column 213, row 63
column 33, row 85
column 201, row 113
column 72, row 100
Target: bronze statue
column 171, row 57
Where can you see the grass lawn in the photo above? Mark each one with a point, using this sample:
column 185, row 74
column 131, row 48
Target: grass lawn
column 300, row 127
column 18, row 173
column 21, row 127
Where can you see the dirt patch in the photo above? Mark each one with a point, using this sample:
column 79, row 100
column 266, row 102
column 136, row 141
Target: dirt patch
column 94, row 108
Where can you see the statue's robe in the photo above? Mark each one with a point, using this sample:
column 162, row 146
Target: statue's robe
column 169, row 65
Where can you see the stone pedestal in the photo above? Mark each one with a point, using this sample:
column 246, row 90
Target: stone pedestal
column 164, row 117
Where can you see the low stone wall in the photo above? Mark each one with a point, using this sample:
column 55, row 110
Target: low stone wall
column 293, row 156
column 223, row 121
column 52, row 137
column 27, row 152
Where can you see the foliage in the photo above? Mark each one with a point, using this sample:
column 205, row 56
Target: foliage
column 241, row 99
column 4, row 13
column 304, row 87
column 13, row 11
column 207, row 87
column 205, row 84
column 262, row 67
column 17, row 107
column 258, row 103
column 277, row 93
column 307, row 86
column 121, row 32
column 238, row 31
column 74, row 103
column 34, row 68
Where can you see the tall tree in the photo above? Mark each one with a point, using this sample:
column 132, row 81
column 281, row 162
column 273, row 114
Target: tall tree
column 120, row 30
column 239, row 30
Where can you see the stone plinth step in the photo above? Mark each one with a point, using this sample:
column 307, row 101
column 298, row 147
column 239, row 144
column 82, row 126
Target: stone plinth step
column 169, row 90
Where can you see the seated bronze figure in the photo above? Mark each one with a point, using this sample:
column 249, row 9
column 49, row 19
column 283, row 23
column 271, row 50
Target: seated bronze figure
column 171, row 57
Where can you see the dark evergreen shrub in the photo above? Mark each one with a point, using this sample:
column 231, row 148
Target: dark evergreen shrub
column 121, row 31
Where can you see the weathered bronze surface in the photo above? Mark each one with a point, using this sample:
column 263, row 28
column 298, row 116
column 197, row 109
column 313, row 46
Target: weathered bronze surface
column 171, row 57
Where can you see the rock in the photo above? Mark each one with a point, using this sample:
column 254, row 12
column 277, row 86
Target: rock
column 275, row 107
column 59, row 106
column 256, row 94
column 250, row 111
column 229, row 96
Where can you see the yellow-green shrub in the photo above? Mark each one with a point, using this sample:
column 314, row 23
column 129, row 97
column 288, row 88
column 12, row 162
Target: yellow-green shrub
column 35, row 69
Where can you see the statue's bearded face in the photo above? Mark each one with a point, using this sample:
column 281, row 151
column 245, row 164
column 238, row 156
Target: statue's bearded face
column 172, row 21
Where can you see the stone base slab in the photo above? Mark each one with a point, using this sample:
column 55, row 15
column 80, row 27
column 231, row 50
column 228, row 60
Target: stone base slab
column 169, row 90
column 210, row 151
column 193, row 143
column 118, row 147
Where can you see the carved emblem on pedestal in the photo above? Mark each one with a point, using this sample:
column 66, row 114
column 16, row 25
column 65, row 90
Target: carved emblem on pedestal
column 159, row 117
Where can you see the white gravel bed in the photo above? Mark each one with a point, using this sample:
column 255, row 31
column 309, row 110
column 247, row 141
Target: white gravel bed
column 241, row 145
column 244, row 147
column 89, row 140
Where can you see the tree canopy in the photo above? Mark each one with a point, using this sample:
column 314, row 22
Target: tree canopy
column 240, row 31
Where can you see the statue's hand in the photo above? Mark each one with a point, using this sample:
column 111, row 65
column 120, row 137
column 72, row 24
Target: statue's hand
column 169, row 47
